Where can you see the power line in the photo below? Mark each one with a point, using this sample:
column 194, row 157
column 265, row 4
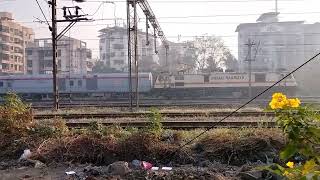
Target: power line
column 242, row 106
column 195, row 1
column 229, row 15
column 43, row 13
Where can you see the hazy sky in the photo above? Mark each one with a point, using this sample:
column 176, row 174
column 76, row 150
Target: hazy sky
column 177, row 17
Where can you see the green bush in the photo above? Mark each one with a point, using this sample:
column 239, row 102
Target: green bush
column 15, row 116
column 155, row 125
column 301, row 126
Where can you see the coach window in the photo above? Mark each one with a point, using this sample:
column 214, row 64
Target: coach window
column 206, row 78
column 1, row 84
column 260, row 77
column 71, row 83
column 179, row 77
column 79, row 83
column 179, row 84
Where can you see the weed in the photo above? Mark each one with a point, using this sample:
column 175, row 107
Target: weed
column 15, row 116
column 155, row 125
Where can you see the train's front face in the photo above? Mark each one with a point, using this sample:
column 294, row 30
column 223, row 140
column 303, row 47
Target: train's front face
column 162, row 81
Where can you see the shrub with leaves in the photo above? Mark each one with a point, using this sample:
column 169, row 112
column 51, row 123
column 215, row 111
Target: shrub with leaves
column 155, row 125
column 301, row 126
column 15, row 116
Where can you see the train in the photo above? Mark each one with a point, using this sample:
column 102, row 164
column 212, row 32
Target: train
column 116, row 85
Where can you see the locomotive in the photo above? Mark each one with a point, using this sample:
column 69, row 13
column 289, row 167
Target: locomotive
column 116, row 85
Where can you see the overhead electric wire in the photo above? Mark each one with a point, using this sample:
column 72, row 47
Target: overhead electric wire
column 194, row 1
column 43, row 13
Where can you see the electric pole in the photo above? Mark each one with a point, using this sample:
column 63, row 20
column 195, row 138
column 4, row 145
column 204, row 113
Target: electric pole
column 136, row 63
column 54, row 53
column 249, row 59
column 69, row 17
column 132, row 23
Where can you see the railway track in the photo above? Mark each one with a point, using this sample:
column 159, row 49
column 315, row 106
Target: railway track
column 147, row 114
column 160, row 102
column 188, row 120
column 184, row 124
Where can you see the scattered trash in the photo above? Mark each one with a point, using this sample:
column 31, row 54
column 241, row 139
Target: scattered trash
column 136, row 164
column 118, row 168
column 155, row 168
column 39, row 165
column 146, row 165
column 166, row 168
column 26, row 154
column 70, row 173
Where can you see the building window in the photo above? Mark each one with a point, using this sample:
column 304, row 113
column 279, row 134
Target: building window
column 9, row 84
column 71, row 83
column 1, row 84
column 118, row 46
column 29, row 52
column 29, row 63
column 59, row 53
column 122, row 53
column 79, row 83
column 113, row 54
column 118, row 62
column 48, row 53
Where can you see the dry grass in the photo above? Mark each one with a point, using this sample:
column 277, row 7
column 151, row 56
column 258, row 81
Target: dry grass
column 238, row 147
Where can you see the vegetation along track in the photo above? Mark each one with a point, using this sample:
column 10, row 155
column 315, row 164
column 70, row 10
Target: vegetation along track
column 186, row 120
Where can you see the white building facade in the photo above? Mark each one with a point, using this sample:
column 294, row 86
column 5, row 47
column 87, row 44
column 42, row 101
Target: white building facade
column 73, row 57
column 14, row 38
column 114, row 49
column 276, row 45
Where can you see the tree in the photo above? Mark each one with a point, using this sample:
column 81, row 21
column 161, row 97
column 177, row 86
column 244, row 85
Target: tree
column 180, row 57
column 211, row 54
column 100, row 67
column 230, row 62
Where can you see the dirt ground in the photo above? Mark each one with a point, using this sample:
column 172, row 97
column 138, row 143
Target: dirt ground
column 33, row 173
column 59, row 173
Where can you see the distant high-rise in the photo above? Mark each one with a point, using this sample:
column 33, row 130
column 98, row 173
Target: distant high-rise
column 73, row 56
column 13, row 40
column 114, row 49
column 278, row 45
column 281, row 46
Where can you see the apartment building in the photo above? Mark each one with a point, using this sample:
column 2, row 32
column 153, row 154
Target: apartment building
column 114, row 49
column 277, row 45
column 14, row 38
column 73, row 56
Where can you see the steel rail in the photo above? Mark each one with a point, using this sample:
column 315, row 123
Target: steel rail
column 148, row 114
column 183, row 124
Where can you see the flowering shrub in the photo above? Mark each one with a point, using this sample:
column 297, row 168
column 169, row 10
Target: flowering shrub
column 301, row 127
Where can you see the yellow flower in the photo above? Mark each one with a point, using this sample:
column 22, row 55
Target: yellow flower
column 290, row 164
column 286, row 173
column 294, row 103
column 278, row 101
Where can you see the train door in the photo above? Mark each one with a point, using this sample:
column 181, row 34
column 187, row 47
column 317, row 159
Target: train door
column 62, row 84
column 92, row 83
